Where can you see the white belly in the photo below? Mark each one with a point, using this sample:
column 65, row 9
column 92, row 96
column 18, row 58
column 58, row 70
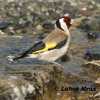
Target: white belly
column 53, row 55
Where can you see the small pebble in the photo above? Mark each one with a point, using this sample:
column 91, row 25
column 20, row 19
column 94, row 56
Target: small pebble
column 39, row 27
column 65, row 58
column 58, row 93
column 92, row 35
column 91, row 56
column 1, row 32
column 47, row 25
column 3, row 25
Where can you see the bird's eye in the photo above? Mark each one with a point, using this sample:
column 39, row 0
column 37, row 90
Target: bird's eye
column 67, row 21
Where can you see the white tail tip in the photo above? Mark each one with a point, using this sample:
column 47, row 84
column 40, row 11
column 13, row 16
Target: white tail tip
column 10, row 58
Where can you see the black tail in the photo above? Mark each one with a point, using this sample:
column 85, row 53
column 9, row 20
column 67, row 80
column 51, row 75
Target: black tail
column 24, row 54
column 15, row 58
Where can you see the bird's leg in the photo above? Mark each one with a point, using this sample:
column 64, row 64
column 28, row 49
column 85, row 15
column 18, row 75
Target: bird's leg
column 59, row 65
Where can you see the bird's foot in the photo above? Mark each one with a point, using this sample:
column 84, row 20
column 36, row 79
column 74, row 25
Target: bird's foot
column 59, row 65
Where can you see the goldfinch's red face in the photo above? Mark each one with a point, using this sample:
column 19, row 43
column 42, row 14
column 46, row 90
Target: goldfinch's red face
column 64, row 23
column 67, row 20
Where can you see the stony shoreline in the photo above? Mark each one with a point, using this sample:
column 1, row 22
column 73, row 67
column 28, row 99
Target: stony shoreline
column 24, row 17
column 24, row 22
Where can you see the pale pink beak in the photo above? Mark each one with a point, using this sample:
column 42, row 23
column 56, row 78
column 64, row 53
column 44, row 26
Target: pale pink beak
column 72, row 21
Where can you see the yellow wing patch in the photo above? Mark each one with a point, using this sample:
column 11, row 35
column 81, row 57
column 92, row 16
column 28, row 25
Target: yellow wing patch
column 51, row 45
column 48, row 46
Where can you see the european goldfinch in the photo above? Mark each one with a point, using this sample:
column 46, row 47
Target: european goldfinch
column 53, row 46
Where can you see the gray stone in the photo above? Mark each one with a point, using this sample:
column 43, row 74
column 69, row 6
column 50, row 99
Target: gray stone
column 22, row 85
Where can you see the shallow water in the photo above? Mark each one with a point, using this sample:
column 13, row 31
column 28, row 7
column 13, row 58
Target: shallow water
column 13, row 45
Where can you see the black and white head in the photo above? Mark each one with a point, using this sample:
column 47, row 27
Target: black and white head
column 64, row 23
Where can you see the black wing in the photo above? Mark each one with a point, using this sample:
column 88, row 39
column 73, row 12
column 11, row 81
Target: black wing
column 37, row 46
column 59, row 45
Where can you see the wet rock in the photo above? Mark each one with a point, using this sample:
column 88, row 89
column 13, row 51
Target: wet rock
column 1, row 32
column 90, row 23
column 92, row 35
column 65, row 58
column 11, row 33
column 29, row 18
column 29, row 84
column 97, row 96
column 97, row 81
column 87, row 95
column 47, row 25
column 75, row 79
column 32, row 14
column 3, row 25
column 84, row 25
column 43, row 9
column 86, row 13
column 12, row 86
column 39, row 27
column 91, row 56
column 94, row 23
column 93, row 66
column 65, row 96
